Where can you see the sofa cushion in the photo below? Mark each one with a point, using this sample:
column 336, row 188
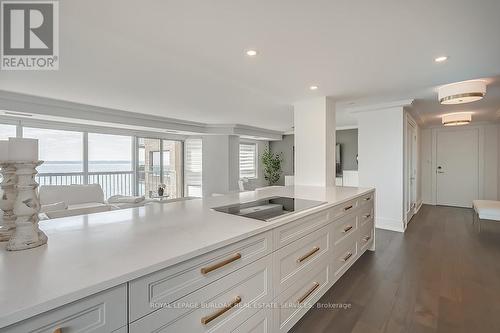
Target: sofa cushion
column 80, row 209
column 487, row 209
column 71, row 194
column 53, row 207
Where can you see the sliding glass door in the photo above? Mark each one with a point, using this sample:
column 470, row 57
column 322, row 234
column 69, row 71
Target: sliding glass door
column 159, row 164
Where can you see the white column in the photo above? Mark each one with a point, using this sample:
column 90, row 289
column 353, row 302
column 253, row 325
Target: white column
column 314, row 121
column 381, row 159
column 221, row 164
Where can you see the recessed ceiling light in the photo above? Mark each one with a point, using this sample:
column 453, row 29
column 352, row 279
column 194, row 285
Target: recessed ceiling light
column 313, row 87
column 441, row 59
column 251, row 53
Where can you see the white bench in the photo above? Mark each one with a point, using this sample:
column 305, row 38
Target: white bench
column 485, row 210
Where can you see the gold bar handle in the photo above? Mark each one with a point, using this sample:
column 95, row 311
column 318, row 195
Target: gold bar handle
column 368, row 198
column 208, row 269
column 58, row 330
column 347, row 208
column 347, row 257
column 309, row 292
column 346, row 229
column 205, row 320
column 367, row 238
column 308, row 254
column 367, row 216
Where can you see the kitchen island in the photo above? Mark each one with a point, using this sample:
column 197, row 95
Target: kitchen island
column 184, row 266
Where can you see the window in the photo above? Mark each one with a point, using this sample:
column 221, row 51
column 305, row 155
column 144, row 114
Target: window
column 110, row 152
column 248, row 160
column 61, row 151
column 7, row 131
column 110, row 163
column 160, row 162
column 172, row 167
column 193, row 167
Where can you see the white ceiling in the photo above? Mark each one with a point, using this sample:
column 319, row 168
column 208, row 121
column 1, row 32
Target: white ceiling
column 185, row 59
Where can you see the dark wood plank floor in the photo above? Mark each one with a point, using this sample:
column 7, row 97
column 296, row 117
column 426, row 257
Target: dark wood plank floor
column 440, row 276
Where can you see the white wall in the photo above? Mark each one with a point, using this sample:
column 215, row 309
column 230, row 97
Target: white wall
column 314, row 121
column 220, row 164
column 426, row 165
column 489, row 173
column 381, row 162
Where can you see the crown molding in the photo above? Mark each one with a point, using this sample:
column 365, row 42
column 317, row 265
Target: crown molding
column 380, row 106
column 69, row 112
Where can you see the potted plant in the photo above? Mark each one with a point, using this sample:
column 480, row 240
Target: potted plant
column 272, row 166
column 161, row 189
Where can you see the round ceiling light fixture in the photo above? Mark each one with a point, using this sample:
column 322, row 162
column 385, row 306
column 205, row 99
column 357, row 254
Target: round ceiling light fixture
column 462, row 92
column 441, row 59
column 313, row 88
column 251, row 53
column 456, row 119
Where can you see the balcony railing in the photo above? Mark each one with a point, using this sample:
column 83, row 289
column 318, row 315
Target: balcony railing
column 115, row 182
column 112, row 182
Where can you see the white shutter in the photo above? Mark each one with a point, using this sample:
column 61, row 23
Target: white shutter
column 248, row 160
column 193, row 167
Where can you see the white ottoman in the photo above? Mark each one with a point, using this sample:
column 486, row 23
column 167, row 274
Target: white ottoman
column 486, row 210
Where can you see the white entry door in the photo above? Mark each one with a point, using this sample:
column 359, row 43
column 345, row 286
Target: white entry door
column 457, row 168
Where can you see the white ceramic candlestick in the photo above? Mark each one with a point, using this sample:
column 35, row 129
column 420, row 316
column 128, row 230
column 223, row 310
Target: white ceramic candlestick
column 27, row 235
column 7, row 199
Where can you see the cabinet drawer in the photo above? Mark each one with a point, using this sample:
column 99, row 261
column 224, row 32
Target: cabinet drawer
column 366, row 234
column 292, row 231
column 344, row 257
column 170, row 284
column 238, row 293
column 258, row 323
column 365, row 214
column 345, row 229
column 367, row 199
column 103, row 312
column 344, row 209
column 292, row 260
column 294, row 302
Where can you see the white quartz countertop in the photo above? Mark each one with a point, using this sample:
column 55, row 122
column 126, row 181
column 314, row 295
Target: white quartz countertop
column 88, row 254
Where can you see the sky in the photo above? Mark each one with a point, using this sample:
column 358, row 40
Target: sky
column 56, row 145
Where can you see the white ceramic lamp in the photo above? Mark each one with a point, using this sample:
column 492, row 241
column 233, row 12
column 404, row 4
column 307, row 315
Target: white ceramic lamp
column 21, row 149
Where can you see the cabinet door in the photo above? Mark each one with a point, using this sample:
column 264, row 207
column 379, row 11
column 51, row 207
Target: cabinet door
column 170, row 284
column 258, row 323
column 219, row 307
column 103, row 312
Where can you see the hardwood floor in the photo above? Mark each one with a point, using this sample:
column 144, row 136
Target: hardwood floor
column 440, row 276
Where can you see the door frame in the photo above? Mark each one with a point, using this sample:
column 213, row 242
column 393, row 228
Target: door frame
column 480, row 151
column 411, row 162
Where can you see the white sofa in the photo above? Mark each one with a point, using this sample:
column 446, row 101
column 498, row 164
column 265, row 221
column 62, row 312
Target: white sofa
column 79, row 199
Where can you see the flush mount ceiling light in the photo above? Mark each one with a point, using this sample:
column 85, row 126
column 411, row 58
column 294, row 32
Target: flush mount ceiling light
column 313, row 88
column 441, row 59
column 462, row 92
column 456, row 119
column 251, row 53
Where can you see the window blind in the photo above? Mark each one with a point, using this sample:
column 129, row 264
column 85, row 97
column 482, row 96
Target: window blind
column 193, row 167
column 248, row 160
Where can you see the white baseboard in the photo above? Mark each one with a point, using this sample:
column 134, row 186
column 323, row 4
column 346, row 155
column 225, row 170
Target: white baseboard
column 389, row 224
column 419, row 205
